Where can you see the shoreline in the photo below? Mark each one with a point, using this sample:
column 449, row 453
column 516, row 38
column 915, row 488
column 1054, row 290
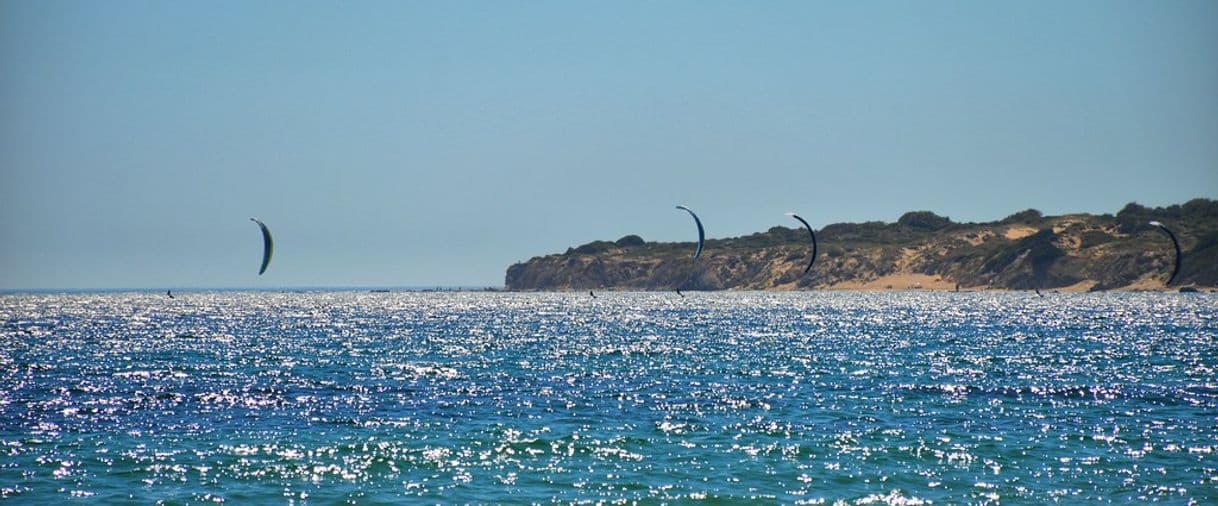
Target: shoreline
column 838, row 288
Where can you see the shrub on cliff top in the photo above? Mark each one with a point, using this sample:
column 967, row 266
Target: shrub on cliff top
column 592, row 248
column 1027, row 217
column 924, row 220
column 630, row 240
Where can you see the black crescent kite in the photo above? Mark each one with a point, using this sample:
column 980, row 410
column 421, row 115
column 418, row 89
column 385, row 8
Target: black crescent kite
column 1179, row 256
column 811, row 235
column 268, row 245
column 701, row 239
column 701, row 231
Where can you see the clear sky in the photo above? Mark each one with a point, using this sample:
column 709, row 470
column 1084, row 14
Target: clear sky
column 435, row 143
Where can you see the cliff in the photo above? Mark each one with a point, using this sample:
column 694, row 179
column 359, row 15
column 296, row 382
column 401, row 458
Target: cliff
column 920, row 250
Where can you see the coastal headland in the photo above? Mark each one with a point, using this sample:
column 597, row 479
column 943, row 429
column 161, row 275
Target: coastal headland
column 921, row 250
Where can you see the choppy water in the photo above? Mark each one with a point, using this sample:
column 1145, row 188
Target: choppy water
column 480, row 397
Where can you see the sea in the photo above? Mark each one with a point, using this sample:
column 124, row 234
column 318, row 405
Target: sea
column 352, row 397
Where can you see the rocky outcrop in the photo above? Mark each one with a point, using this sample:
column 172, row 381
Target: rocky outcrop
column 921, row 250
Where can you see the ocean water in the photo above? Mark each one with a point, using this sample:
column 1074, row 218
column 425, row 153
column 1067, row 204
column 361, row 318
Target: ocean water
column 813, row 398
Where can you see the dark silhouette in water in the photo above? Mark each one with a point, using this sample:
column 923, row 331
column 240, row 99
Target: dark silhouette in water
column 169, row 293
column 593, row 294
column 1038, row 294
column 1179, row 257
column 679, row 292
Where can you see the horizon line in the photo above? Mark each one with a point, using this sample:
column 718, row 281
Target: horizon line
column 336, row 288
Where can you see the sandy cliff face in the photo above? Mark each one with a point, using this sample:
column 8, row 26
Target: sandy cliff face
column 919, row 251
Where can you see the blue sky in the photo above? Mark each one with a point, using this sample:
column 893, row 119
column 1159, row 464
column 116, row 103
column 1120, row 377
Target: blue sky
column 435, row 143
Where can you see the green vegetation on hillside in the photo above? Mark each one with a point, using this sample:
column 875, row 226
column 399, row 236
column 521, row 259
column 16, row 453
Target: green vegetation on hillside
column 1025, row 250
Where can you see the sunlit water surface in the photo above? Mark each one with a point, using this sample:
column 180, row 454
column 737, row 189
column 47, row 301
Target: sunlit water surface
column 897, row 398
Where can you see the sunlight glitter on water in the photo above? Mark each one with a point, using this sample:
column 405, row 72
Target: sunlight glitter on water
column 868, row 398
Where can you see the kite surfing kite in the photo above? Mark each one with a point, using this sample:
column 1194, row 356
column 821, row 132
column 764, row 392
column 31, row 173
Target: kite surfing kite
column 268, row 246
column 701, row 238
column 1175, row 270
column 812, row 235
column 701, row 232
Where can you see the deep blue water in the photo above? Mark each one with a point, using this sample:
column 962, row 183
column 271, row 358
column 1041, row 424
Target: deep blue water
column 866, row 398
